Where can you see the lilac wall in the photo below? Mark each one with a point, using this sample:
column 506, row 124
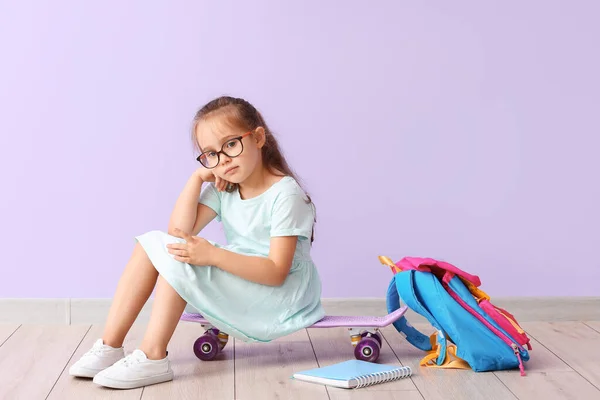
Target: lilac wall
column 467, row 132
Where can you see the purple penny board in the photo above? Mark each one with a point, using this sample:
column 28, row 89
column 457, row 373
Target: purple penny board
column 332, row 321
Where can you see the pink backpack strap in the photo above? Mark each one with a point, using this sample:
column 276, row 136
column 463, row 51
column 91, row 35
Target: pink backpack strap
column 441, row 269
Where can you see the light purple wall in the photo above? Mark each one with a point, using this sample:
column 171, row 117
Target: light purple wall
column 467, row 131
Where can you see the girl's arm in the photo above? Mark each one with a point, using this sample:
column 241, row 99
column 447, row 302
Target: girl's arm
column 189, row 215
column 271, row 270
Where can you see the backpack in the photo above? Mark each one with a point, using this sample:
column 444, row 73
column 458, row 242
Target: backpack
column 471, row 331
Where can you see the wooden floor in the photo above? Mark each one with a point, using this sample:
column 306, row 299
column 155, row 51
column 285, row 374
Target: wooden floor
column 34, row 360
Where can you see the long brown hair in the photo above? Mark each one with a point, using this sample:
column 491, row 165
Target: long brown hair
column 245, row 116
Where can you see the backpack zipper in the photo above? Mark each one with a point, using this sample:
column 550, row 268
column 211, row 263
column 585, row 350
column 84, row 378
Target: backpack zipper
column 498, row 333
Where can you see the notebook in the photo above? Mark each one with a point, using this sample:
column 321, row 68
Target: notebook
column 353, row 374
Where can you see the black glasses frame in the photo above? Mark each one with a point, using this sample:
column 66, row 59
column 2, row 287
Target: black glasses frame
column 239, row 138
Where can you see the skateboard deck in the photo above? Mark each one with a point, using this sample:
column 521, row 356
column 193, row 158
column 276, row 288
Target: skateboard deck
column 331, row 321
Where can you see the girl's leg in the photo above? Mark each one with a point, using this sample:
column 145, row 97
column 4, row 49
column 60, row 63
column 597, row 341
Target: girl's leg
column 133, row 290
column 166, row 311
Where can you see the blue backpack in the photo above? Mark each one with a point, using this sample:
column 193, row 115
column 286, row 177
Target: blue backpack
column 472, row 333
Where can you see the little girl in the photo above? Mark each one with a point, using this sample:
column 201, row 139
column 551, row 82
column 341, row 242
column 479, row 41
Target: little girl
column 261, row 286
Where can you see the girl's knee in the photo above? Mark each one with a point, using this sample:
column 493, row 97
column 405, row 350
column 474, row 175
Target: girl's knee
column 140, row 258
column 138, row 250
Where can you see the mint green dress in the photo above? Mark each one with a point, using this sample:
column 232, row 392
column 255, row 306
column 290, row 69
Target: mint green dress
column 243, row 309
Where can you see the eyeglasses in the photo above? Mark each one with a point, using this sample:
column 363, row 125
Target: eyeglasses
column 231, row 148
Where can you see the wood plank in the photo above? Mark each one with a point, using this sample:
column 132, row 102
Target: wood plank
column 69, row 387
column 540, row 360
column 263, row 370
column 574, row 342
column 595, row 325
column 441, row 384
column 33, row 358
column 550, row 386
column 6, row 330
column 548, row 377
column 333, row 345
column 195, row 379
column 363, row 394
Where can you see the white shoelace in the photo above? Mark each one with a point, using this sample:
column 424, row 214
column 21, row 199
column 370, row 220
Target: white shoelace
column 130, row 360
column 96, row 350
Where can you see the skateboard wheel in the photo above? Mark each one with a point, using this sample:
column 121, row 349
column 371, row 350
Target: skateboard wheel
column 367, row 349
column 206, row 347
column 376, row 335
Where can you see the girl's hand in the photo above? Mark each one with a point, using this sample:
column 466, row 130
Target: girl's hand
column 195, row 250
column 207, row 175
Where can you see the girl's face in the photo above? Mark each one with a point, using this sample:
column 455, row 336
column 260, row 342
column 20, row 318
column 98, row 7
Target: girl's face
column 232, row 154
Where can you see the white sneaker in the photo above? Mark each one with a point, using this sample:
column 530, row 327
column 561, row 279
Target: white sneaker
column 98, row 358
column 134, row 371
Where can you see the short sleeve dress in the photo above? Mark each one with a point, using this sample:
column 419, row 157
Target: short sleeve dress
column 247, row 310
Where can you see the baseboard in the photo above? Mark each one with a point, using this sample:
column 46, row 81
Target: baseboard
column 523, row 308
column 94, row 311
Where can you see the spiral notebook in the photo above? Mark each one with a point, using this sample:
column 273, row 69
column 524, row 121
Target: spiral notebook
column 353, row 374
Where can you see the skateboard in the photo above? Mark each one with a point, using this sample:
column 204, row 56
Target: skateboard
column 363, row 331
